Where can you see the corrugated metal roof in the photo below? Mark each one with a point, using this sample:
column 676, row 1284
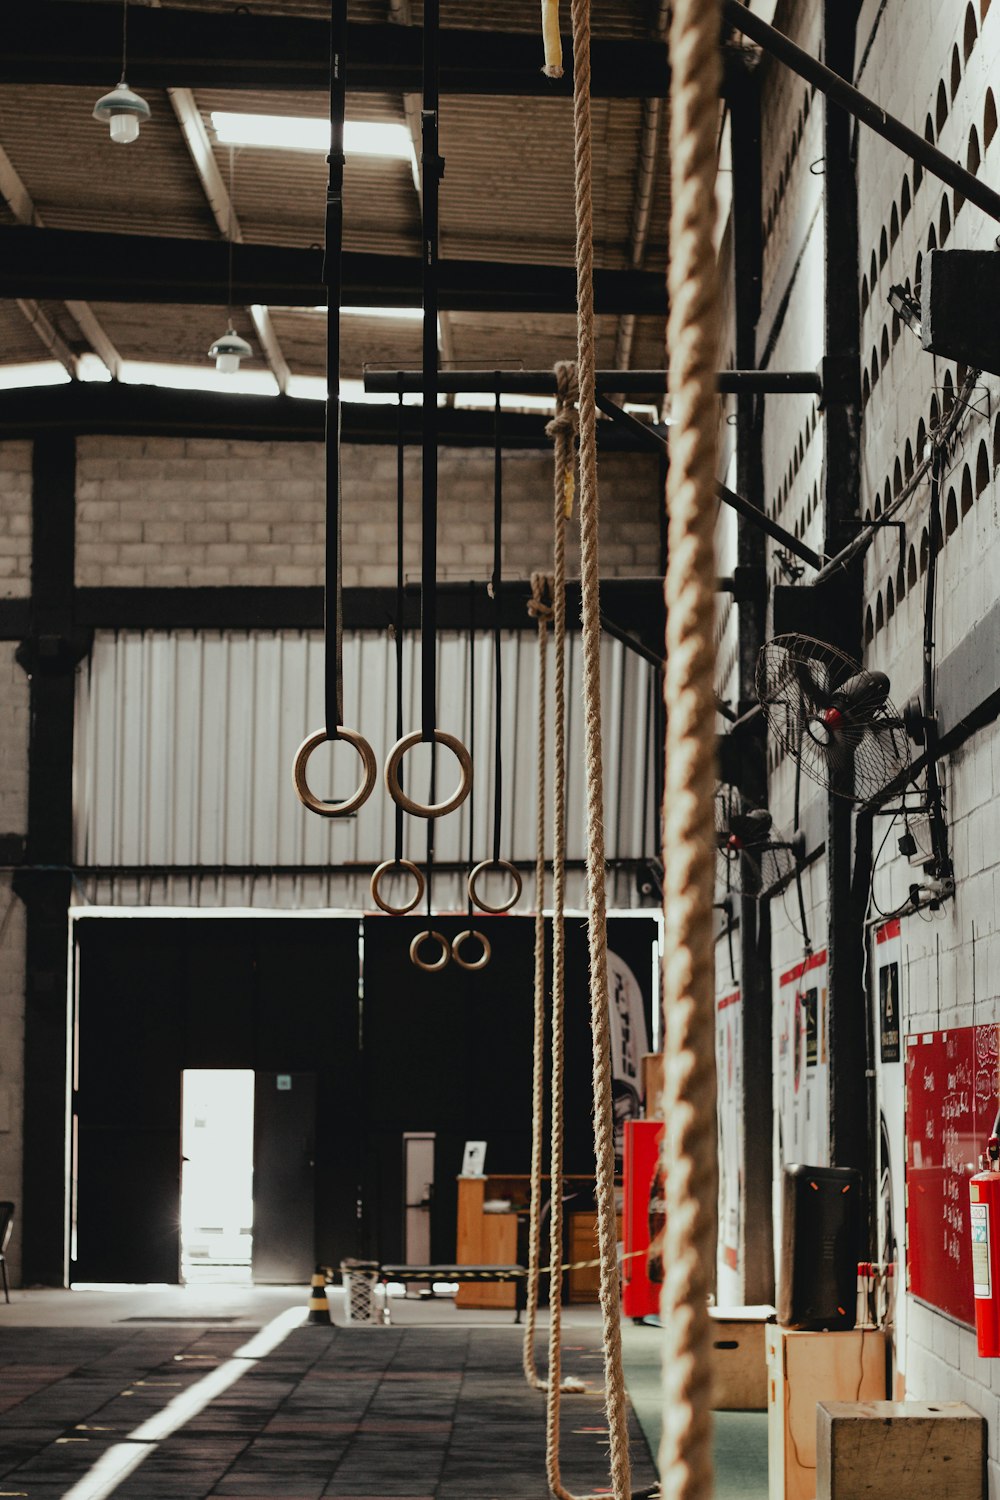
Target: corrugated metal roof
column 185, row 742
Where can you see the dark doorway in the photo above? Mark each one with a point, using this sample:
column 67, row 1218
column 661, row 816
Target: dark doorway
column 284, row 1179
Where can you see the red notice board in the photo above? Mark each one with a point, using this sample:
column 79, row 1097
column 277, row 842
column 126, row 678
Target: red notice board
column 951, row 1103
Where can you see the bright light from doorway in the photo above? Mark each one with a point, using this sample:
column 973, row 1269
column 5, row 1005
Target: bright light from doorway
column 217, row 1179
column 38, row 372
column 297, row 133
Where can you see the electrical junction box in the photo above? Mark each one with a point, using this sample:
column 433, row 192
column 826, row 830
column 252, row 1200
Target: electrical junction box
column 959, row 297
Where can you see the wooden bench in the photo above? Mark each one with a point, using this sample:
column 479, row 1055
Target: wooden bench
column 464, row 1275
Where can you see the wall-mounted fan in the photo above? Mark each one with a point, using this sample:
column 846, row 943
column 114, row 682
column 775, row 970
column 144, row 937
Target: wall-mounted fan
column 751, row 856
column 832, row 716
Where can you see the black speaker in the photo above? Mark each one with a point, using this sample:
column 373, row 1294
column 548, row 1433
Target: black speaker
column 820, row 1245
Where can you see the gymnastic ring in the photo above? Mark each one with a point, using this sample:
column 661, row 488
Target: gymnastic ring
column 494, row 864
column 435, row 809
column 364, row 791
column 480, row 962
column 397, row 864
column 415, row 958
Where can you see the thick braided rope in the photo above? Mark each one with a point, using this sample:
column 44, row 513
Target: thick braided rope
column 541, row 611
column 615, row 1397
column 562, row 429
column 689, row 1149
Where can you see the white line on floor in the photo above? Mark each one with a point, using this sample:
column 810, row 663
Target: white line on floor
column 120, row 1459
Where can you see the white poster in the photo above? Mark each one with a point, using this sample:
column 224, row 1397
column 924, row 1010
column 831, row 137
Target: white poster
column 729, row 1073
column 800, row 1044
column 629, row 1044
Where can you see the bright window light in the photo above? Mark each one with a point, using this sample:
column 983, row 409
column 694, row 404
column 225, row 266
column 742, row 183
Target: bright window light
column 410, row 314
column 313, row 388
column 508, row 402
column 39, row 372
column 297, row 133
column 92, row 367
column 198, row 378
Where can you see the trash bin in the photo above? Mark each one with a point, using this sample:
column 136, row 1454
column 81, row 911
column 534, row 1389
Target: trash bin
column 360, row 1279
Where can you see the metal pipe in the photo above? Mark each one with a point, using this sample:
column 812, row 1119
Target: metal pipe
column 862, row 108
column 543, row 382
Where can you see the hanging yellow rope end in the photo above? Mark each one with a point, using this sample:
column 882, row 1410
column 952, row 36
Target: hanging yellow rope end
column 569, row 494
column 551, row 39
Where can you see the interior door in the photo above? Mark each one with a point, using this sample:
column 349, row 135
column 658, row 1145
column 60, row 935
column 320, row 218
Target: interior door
column 418, row 1187
column 284, row 1193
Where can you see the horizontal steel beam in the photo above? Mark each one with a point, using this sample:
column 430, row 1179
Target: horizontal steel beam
column 64, row 42
column 839, row 91
column 625, row 382
column 148, row 411
column 68, row 263
column 637, row 605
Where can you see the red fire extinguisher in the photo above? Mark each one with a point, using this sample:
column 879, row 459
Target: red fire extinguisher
column 984, row 1221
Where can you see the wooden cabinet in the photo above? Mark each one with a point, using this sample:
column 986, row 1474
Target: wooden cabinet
column 487, row 1238
column 583, row 1282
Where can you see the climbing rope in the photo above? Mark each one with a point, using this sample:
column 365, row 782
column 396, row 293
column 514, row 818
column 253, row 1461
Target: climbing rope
column 689, row 1151
column 604, row 1150
column 540, row 609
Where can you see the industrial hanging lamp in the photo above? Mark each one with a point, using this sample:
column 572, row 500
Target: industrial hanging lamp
column 122, row 109
column 230, row 348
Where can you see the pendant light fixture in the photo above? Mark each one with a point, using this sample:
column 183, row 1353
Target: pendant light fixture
column 230, row 348
column 122, row 109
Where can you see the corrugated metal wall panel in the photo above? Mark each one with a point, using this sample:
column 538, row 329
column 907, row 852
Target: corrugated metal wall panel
column 185, row 741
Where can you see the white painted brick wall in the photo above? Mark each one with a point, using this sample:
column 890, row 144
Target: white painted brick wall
column 202, row 512
column 15, row 520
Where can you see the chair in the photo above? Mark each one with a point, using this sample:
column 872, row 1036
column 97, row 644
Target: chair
column 6, row 1225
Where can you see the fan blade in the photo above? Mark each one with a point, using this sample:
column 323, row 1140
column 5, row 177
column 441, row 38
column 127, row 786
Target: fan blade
column 814, row 691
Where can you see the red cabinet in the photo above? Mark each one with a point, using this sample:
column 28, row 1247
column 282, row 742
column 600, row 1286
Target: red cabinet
column 640, row 1296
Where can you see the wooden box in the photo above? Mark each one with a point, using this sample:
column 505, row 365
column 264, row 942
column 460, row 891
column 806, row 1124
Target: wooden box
column 886, row 1450
column 804, row 1368
column 739, row 1358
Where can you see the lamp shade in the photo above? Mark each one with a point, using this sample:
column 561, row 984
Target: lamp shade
column 123, row 110
column 228, row 351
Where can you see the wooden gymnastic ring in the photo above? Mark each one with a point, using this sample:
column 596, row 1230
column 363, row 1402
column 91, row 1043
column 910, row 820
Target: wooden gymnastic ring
column 364, row 791
column 494, row 864
column 415, row 952
column 397, row 864
column 480, row 962
column 436, row 809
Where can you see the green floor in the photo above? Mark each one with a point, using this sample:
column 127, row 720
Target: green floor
column 740, row 1436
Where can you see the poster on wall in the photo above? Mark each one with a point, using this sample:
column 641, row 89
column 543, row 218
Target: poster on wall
column 729, row 1073
column 890, row 1209
column 800, row 1039
column 951, row 1104
column 629, row 1044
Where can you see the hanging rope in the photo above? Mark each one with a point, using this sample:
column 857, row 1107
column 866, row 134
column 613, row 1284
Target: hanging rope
column 540, row 609
column 562, row 429
column 689, row 1151
column 604, row 1150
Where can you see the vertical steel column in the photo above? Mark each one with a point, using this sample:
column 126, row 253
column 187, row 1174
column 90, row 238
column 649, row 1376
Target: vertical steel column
column 50, row 656
column 751, row 602
column 842, row 469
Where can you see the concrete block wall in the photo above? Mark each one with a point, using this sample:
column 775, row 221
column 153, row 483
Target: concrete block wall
column 13, row 820
column 205, row 512
column 15, row 520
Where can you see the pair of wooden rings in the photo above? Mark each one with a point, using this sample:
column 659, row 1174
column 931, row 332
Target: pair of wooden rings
column 370, row 776
column 450, row 951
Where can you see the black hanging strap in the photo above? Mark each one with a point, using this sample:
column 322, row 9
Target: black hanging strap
column 333, row 617
column 432, row 170
column 497, row 620
column 472, row 726
column 400, row 604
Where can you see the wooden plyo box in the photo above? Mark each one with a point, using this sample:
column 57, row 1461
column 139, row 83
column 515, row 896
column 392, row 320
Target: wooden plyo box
column 739, row 1358
column 804, row 1368
column 885, row 1450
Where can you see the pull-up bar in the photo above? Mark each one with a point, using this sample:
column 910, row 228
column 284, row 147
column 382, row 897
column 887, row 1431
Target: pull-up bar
column 625, row 382
column 862, row 108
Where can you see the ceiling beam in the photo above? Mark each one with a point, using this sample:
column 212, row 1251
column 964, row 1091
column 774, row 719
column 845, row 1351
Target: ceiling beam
column 148, row 411
column 62, row 263
column 64, row 42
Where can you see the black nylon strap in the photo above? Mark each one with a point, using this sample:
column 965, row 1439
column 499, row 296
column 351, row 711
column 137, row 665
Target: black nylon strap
column 333, row 617
column 472, row 727
column 432, row 168
column 497, row 642
column 400, row 581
